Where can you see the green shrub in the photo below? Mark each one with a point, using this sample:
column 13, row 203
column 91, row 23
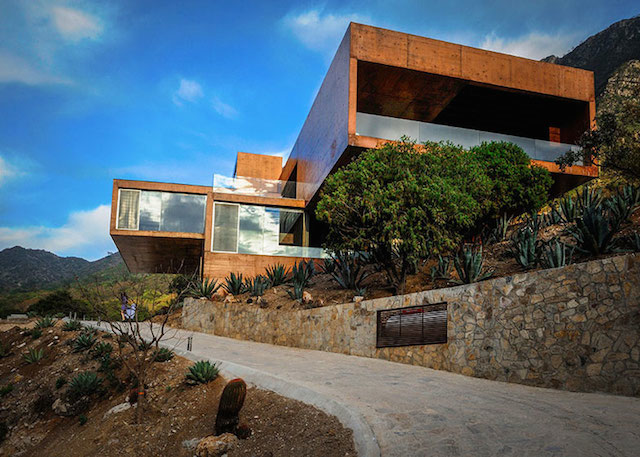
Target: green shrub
column 61, row 381
column 468, row 264
column 83, row 342
column 34, row 355
column 400, row 205
column 349, row 269
column 59, row 301
column 45, row 322
column 72, row 326
column 516, row 186
column 163, row 355
column 556, row 254
column 234, row 284
column 84, row 384
column 257, row 286
column 277, row 274
column 82, row 419
column 204, row 289
column 6, row 390
column 35, row 333
column 101, row 349
column 202, row 372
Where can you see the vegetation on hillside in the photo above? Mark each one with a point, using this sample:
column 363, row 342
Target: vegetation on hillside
column 403, row 202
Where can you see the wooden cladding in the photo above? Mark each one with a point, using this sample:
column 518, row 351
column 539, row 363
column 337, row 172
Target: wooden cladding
column 411, row 326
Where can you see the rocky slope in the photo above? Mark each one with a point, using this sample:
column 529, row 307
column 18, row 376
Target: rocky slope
column 604, row 52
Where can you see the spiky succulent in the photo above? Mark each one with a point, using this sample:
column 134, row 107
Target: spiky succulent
column 205, row 288
column 202, row 372
column 277, row 274
column 469, row 265
column 45, row 322
column 163, row 355
column 257, row 286
column 234, row 284
column 34, row 355
column 84, row 384
column 84, row 342
column 72, row 326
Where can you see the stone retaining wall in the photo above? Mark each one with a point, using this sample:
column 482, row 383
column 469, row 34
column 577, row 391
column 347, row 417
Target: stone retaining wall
column 574, row 328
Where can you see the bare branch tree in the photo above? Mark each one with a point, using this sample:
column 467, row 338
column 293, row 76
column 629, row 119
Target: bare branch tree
column 145, row 294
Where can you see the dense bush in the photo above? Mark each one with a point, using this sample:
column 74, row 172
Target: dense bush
column 402, row 201
column 516, row 186
column 59, row 301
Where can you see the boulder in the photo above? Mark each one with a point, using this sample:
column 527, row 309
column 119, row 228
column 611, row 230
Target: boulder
column 216, row 446
column 307, row 297
column 60, row 407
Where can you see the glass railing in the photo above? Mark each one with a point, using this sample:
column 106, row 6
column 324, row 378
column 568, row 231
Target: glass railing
column 391, row 128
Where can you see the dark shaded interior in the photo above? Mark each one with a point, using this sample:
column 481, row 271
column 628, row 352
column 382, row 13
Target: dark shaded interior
column 409, row 94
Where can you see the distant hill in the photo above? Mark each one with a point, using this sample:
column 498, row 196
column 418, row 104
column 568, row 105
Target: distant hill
column 605, row 52
column 30, row 269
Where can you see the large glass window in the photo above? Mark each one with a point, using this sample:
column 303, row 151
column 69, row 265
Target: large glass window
column 161, row 211
column 250, row 230
column 225, row 228
column 128, row 202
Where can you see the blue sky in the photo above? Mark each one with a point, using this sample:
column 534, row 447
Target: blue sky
column 169, row 91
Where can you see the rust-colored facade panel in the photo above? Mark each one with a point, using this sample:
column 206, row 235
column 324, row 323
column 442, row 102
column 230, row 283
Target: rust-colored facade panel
column 218, row 265
column 378, row 45
column 258, row 166
column 486, row 67
column 434, row 56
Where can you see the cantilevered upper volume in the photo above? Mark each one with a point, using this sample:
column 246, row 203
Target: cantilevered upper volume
column 381, row 85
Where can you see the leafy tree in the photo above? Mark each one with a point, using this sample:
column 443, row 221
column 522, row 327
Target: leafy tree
column 402, row 201
column 60, row 301
column 516, row 185
column 615, row 143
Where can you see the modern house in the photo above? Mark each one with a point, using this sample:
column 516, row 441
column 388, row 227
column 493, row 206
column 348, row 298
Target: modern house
column 380, row 86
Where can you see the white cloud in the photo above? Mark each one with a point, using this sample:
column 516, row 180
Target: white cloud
column 189, row 91
column 16, row 69
column 319, row 31
column 76, row 25
column 86, row 233
column 223, row 109
column 534, row 45
column 6, row 171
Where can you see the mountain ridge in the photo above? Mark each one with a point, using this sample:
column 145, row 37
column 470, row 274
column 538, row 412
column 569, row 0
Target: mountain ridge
column 23, row 269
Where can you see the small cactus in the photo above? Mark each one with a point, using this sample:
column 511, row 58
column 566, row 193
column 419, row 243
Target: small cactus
column 231, row 402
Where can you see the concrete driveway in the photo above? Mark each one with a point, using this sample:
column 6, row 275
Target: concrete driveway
column 404, row 410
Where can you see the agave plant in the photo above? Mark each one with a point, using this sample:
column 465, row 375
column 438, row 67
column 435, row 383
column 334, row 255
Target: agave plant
column 468, row 264
column 534, row 221
column 84, row 384
column 101, row 349
column 202, row 372
column 234, row 284
column 624, row 202
column 502, row 225
column 257, row 286
column 205, row 288
column 588, row 197
column 301, row 275
column 35, row 333
column 594, row 230
column 34, row 355
column 349, row 269
column 302, row 272
column 45, row 322
column 524, row 247
column 84, row 342
column 443, row 269
column 556, row 254
column 567, row 210
column 163, row 355
column 72, row 326
column 277, row 274
column 635, row 244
